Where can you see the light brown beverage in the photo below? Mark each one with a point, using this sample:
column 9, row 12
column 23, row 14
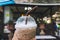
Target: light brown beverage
column 25, row 31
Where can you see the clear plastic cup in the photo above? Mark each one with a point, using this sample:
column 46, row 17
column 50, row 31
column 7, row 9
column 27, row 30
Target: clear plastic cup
column 25, row 31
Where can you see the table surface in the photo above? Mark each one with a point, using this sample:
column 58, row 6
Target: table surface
column 45, row 37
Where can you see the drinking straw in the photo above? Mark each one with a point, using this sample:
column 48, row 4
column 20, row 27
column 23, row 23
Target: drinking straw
column 29, row 12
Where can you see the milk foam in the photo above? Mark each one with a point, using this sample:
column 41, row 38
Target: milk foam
column 20, row 24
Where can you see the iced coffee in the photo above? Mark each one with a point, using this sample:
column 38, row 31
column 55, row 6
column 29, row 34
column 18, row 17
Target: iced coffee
column 25, row 31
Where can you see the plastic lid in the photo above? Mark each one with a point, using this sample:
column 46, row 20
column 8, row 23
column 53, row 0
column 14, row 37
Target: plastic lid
column 21, row 22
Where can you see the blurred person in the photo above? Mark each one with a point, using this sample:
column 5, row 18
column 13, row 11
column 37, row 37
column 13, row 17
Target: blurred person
column 42, row 26
column 42, row 30
column 52, row 27
column 11, row 28
column 6, row 32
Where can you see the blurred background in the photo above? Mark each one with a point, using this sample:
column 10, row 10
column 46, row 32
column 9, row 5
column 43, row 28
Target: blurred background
column 48, row 14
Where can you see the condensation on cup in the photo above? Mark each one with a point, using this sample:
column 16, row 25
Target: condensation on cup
column 25, row 31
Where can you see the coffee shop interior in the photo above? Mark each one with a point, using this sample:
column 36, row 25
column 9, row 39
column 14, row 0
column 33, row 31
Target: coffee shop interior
column 48, row 15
